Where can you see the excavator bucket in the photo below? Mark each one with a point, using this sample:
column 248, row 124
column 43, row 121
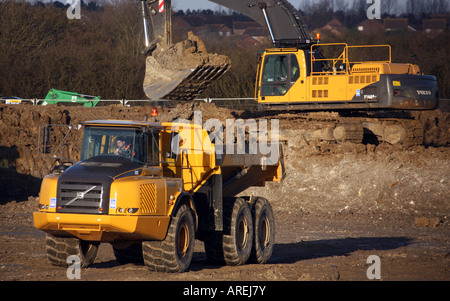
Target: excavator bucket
column 182, row 71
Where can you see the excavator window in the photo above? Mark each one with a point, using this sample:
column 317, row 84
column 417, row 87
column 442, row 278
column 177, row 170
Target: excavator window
column 279, row 74
column 295, row 69
column 275, row 75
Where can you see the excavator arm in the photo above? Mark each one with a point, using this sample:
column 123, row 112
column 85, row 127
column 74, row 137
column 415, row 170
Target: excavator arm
column 284, row 23
column 157, row 19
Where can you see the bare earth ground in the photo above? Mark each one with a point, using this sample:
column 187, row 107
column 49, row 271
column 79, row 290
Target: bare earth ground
column 338, row 205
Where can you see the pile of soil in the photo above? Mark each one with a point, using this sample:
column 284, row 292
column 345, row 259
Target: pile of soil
column 187, row 54
column 21, row 129
column 182, row 71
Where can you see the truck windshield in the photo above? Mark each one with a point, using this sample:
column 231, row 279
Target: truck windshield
column 117, row 143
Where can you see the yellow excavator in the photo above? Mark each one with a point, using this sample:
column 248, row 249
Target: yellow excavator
column 298, row 73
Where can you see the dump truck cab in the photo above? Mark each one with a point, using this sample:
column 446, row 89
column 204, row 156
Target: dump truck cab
column 142, row 184
column 105, row 175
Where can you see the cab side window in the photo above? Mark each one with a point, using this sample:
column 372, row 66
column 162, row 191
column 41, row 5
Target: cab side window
column 295, row 69
column 279, row 74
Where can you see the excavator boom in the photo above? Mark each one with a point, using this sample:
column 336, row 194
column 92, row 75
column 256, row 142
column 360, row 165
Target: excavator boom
column 284, row 23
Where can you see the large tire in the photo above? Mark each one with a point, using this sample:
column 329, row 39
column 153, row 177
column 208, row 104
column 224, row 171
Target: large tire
column 264, row 238
column 60, row 248
column 238, row 232
column 174, row 253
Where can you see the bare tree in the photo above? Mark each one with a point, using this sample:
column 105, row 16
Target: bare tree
column 306, row 6
column 389, row 7
column 440, row 6
column 418, row 7
column 340, row 5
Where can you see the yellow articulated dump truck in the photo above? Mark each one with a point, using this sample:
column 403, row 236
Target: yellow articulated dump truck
column 151, row 189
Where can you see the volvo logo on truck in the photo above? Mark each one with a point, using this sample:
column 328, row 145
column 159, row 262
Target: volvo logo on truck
column 424, row 92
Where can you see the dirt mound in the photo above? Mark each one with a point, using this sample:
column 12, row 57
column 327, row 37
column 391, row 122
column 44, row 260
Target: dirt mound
column 387, row 180
column 188, row 54
column 436, row 127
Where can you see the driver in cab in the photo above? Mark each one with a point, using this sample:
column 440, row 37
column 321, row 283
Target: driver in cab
column 122, row 148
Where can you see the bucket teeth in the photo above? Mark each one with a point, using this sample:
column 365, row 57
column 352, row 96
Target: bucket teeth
column 182, row 71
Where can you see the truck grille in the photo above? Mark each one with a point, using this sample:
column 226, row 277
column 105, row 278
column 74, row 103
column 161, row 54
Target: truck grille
column 148, row 198
column 78, row 197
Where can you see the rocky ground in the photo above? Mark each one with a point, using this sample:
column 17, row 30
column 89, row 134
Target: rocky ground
column 339, row 204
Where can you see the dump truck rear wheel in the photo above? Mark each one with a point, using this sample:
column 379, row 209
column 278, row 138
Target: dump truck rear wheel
column 60, row 248
column 233, row 245
column 264, row 236
column 174, row 253
column 238, row 235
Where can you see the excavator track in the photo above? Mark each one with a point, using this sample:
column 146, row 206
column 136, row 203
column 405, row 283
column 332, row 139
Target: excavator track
column 394, row 127
column 420, row 128
column 405, row 128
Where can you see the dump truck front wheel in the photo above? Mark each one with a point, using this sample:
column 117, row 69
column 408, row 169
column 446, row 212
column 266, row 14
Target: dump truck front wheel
column 264, row 238
column 60, row 248
column 174, row 253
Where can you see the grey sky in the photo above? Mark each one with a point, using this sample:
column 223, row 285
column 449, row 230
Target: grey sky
column 205, row 4
column 392, row 6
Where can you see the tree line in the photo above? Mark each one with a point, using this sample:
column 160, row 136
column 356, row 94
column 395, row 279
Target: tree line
column 102, row 53
column 349, row 12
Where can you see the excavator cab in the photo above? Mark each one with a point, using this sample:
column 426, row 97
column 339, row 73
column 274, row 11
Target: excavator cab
column 280, row 72
column 281, row 75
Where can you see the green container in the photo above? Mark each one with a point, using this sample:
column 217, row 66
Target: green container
column 57, row 96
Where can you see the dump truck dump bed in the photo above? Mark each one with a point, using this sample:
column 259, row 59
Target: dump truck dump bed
column 241, row 171
column 240, row 166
